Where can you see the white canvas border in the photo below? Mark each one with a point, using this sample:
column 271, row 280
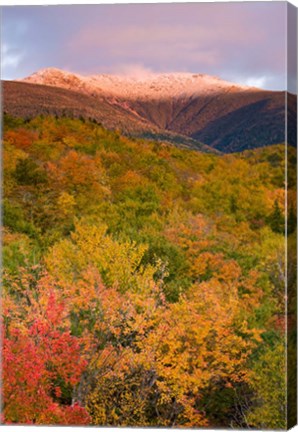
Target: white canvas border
column 13, row 428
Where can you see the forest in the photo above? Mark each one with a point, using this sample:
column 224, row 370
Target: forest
column 143, row 283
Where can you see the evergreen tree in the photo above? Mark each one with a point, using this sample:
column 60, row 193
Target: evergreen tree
column 292, row 221
column 276, row 219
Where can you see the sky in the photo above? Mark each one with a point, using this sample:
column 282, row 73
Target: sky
column 239, row 42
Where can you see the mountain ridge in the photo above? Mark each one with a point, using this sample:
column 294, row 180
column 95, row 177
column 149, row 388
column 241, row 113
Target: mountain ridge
column 224, row 116
column 150, row 85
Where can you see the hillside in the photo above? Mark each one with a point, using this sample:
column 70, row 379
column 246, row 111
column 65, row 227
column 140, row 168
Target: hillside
column 129, row 264
column 181, row 106
column 25, row 100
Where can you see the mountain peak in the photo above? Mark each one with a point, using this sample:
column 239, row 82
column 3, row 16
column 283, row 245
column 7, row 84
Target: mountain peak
column 132, row 86
column 55, row 77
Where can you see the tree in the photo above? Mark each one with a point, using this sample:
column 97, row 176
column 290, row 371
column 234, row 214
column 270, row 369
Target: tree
column 277, row 219
column 268, row 379
column 29, row 173
column 42, row 361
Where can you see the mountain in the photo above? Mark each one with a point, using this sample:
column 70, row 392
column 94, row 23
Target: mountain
column 179, row 106
column 21, row 99
column 128, row 87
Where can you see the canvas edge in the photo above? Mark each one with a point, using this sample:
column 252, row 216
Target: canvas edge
column 291, row 246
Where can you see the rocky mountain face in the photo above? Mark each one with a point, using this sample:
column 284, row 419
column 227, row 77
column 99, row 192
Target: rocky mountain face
column 188, row 109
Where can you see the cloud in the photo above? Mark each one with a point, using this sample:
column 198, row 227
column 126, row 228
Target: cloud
column 218, row 39
column 136, row 71
column 243, row 39
column 11, row 57
column 256, row 81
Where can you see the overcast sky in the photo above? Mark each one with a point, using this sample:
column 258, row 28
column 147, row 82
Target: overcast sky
column 241, row 42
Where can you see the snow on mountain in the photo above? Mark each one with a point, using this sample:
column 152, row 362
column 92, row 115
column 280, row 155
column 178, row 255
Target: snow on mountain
column 225, row 116
column 152, row 86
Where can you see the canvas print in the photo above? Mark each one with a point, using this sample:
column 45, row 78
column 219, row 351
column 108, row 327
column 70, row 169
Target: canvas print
column 149, row 215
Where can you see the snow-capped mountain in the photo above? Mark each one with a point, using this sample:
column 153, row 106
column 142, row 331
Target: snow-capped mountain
column 152, row 86
column 184, row 108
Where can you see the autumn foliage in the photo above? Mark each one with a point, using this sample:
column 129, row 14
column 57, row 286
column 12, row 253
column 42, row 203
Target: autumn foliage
column 143, row 284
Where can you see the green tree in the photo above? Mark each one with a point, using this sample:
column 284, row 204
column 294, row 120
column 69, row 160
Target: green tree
column 268, row 380
column 277, row 219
